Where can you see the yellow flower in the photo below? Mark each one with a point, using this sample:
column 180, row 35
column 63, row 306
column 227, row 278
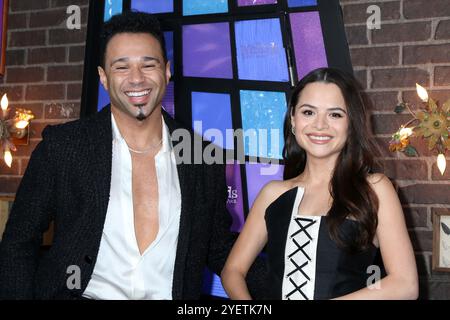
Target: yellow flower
column 432, row 126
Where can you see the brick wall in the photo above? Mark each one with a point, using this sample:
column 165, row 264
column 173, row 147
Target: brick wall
column 44, row 71
column 413, row 45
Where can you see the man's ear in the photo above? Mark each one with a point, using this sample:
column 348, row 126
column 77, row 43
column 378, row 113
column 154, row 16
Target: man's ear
column 168, row 73
column 103, row 78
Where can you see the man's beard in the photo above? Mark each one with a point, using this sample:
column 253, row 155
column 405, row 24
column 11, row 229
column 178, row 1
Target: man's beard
column 141, row 116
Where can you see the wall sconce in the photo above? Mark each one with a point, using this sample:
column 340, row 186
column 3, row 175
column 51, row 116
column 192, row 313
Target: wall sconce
column 13, row 131
column 431, row 122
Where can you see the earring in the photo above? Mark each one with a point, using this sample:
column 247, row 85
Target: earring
column 293, row 130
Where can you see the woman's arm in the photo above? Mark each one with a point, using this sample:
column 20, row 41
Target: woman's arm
column 249, row 244
column 401, row 281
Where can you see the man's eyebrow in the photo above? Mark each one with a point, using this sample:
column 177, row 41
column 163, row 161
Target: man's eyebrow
column 126, row 59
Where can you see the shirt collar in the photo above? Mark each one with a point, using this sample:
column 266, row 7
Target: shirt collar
column 166, row 141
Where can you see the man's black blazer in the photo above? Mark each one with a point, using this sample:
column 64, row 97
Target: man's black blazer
column 68, row 181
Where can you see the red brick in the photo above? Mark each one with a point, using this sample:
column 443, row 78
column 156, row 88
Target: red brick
column 442, row 76
column 74, row 91
column 15, row 57
column 421, row 240
column 406, row 169
column 361, row 76
column 443, row 30
column 438, row 95
column 375, row 56
column 76, row 53
column 416, row 217
column 27, row 5
column 398, row 77
column 425, row 194
column 415, row 9
column 25, row 150
column 356, row 35
column 36, row 130
column 23, row 165
column 388, row 123
column 27, row 38
column 45, row 92
column 357, row 13
column 66, row 3
column 18, row 75
column 383, row 146
column 66, row 36
column 15, row 93
column 421, row 54
column 402, row 32
column 47, row 55
column 5, row 170
column 383, row 101
column 36, row 108
column 17, row 21
column 436, row 174
column 49, row 18
column 54, row 18
column 65, row 73
column 9, row 185
column 61, row 111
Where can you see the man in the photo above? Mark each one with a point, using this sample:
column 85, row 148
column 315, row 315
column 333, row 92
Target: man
column 130, row 221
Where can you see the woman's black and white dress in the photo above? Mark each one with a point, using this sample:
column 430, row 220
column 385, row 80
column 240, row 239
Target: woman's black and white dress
column 304, row 262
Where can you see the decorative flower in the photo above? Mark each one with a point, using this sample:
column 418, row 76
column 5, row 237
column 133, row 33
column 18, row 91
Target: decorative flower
column 431, row 122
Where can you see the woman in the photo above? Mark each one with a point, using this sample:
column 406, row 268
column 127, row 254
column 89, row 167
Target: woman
column 324, row 224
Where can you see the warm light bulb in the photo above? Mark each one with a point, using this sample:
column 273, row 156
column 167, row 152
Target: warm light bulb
column 4, row 102
column 8, row 157
column 405, row 132
column 422, row 92
column 22, row 124
column 441, row 163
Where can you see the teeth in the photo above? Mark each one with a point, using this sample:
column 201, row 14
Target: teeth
column 137, row 94
column 320, row 138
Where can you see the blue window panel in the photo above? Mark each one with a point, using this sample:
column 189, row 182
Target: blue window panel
column 168, row 101
column 214, row 112
column 168, row 37
column 235, row 204
column 260, row 51
column 103, row 97
column 212, row 285
column 152, row 6
column 258, row 175
column 262, row 121
column 112, row 7
column 207, row 50
column 301, row 3
column 194, row 7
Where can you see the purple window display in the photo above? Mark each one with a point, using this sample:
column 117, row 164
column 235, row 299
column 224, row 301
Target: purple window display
column 207, row 50
column 258, row 175
column 244, row 3
column 214, row 112
column 308, row 42
column 234, row 203
column 168, row 101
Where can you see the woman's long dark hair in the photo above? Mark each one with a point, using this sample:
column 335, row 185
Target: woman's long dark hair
column 352, row 195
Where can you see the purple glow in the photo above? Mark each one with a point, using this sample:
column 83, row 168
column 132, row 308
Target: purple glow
column 244, row 3
column 207, row 50
column 256, row 179
column 168, row 101
column 308, row 42
column 234, row 203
